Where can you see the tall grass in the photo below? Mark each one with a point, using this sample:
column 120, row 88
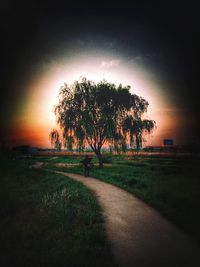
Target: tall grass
column 170, row 184
column 48, row 220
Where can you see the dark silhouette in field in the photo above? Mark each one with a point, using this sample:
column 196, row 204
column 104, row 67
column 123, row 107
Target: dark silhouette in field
column 87, row 165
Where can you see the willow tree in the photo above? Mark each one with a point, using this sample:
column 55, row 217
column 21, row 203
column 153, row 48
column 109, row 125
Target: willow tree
column 135, row 128
column 55, row 139
column 92, row 114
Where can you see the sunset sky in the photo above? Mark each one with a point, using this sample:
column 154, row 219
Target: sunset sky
column 151, row 48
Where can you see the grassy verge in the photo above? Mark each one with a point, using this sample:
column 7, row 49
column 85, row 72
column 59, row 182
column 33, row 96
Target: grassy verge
column 48, row 220
column 170, row 184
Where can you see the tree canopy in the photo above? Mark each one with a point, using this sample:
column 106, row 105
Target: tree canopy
column 97, row 113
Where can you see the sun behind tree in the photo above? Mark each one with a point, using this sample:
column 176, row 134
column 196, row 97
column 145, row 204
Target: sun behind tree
column 92, row 114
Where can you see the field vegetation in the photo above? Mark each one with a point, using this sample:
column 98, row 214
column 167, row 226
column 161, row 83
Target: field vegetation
column 170, row 184
column 48, row 219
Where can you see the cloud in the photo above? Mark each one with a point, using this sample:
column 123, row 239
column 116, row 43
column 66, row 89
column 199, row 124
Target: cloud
column 110, row 64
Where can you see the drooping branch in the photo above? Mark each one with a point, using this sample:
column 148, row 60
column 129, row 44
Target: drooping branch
column 93, row 114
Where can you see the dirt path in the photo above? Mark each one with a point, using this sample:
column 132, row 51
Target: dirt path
column 139, row 235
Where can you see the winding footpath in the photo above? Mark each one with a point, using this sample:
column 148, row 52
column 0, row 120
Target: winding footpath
column 139, row 235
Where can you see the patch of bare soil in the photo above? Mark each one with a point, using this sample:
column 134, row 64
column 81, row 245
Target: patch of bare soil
column 67, row 164
column 37, row 164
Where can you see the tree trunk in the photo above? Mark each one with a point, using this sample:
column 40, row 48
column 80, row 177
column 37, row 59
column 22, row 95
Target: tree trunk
column 100, row 158
column 137, row 142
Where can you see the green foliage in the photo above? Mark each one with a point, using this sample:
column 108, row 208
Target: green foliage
column 69, row 142
column 169, row 184
column 107, row 158
column 48, row 220
column 92, row 114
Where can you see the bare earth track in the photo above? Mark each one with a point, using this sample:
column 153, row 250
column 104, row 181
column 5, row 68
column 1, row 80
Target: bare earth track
column 139, row 235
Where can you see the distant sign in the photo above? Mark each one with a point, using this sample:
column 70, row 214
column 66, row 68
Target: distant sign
column 168, row 142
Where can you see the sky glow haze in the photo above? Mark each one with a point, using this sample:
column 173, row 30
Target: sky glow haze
column 151, row 47
column 36, row 118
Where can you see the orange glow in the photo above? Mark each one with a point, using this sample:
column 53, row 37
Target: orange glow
column 36, row 118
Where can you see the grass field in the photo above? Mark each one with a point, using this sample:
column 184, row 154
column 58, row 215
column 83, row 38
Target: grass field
column 48, row 220
column 169, row 184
